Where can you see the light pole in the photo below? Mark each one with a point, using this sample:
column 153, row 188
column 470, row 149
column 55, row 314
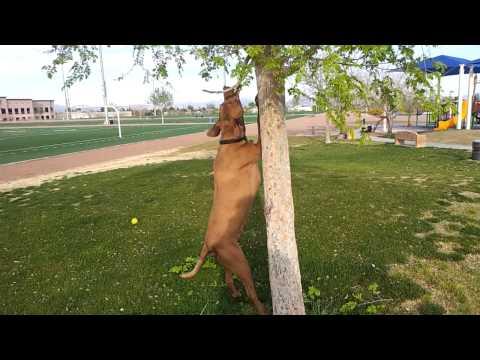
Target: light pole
column 153, row 92
column 471, row 84
column 460, row 97
column 67, row 102
column 105, row 102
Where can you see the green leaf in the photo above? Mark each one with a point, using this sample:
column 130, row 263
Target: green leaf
column 190, row 259
column 209, row 264
column 371, row 310
column 313, row 292
column 348, row 307
column 358, row 296
column 177, row 269
column 373, row 288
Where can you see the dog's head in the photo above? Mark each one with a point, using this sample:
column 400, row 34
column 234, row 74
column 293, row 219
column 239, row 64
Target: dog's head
column 230, row 120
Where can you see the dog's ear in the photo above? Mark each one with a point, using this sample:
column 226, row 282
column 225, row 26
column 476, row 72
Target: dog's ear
column 213, row 131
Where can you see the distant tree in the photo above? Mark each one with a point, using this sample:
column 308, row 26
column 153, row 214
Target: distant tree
column 332, row 93
column 409, row 103
column 161, row 98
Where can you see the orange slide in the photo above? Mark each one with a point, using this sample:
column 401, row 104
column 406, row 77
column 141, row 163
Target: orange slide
column 452, row 122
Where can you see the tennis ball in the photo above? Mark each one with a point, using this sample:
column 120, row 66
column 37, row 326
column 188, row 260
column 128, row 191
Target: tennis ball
column 134, row 221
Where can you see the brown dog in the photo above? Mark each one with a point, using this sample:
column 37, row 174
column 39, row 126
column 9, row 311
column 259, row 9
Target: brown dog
column 236, row 181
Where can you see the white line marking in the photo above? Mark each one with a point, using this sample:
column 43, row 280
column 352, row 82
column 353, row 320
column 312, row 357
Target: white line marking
column 93, row 140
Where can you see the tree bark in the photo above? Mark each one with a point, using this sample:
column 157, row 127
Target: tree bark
column 327, row 132
column 284, row 269
column 389, row 125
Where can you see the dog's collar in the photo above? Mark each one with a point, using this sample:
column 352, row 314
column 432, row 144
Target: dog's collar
column 232, row 141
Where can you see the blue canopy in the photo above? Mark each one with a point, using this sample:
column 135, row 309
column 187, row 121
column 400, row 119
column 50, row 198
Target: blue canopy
column 452, row 65
column 475, row 64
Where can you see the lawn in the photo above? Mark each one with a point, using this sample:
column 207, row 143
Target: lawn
column 33, row 142
column 177, row 119
column 380, row 229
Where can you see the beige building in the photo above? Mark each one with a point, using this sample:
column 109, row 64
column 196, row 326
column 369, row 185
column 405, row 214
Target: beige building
column 26, row 109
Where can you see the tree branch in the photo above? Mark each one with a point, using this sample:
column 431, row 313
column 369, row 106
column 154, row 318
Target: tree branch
column 234, row 87
column 374, row 301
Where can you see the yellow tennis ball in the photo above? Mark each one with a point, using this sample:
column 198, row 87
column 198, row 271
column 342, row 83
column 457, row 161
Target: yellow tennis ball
column 134, row 221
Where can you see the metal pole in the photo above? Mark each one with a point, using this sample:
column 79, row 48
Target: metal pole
column 153, row 90
column 65, row 93
column 470, row 96
column 105, row 102
column 460, row 97
column 439, row 101
column 473, row 93
column 118, row 121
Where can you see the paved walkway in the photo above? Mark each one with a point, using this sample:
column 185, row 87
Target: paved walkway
column 429, row 144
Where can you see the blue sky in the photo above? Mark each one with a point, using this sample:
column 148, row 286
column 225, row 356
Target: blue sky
column 21, row 77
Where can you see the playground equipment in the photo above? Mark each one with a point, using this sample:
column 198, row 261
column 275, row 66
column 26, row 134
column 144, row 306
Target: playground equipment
column 452, row 121
column 453, row 66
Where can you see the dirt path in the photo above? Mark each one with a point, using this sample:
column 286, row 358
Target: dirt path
column 36, row 171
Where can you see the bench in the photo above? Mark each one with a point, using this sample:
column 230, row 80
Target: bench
column 402, row 136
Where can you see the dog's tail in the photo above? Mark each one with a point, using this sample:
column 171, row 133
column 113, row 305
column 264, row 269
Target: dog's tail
column 198, row 265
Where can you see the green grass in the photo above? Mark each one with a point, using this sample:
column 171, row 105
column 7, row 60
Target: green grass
column 32, row 143
column 69, row 247
column 25, row 143
column 176, row 119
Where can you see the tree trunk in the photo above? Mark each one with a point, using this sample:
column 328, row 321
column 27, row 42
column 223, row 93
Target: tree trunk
column 155, row 111
column 389, row 126
column 327, row 132
column 161, row 112
column 390, row 118
column 408, row 121
column 284, row 269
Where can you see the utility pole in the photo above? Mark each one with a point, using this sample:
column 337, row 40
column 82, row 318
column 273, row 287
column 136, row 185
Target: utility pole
column 105, row 101
column 153, row 91
column 471, row 85
column 460, row 97
column 65, row 92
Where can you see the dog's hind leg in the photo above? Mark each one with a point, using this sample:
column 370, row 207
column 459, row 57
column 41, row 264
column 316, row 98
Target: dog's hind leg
column 233, row 259
column 230, row 284
column 203, row 256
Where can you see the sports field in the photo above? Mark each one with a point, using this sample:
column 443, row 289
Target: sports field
column 32, row 141
column 176, row 119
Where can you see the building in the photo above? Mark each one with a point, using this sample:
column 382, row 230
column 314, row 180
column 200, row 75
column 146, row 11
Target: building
column 26, row 109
